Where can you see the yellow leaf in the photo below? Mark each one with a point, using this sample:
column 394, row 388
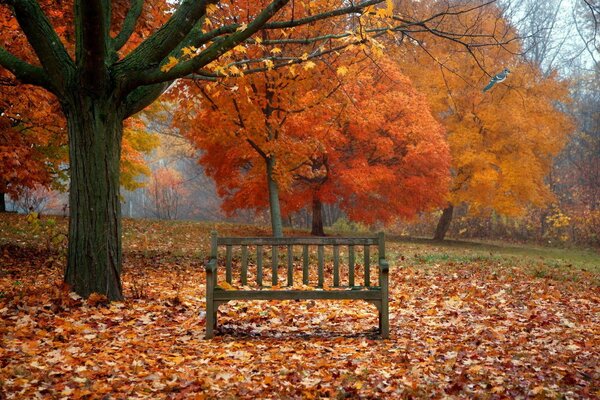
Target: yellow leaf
column 343, row 70
column 211, row 8
column 275, row 50
column 189, row 51
column 169, row 65
column 269, row 64
column 226, row 286
column 304, row 57
column 242, row 27
column 240, row 49
column 309, row 65
column 235, row 70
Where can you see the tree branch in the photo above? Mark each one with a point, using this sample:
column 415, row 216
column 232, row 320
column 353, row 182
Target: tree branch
column 128, row 24
column 158, row 46
column 155, row 75
column 23, row 71
column 142, row 97
column 44, row 40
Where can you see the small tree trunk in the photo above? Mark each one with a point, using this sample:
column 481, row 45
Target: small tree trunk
column 274, row 207
column 2, row 202
column 94, row 257
column 444, row 223
column 317, row 217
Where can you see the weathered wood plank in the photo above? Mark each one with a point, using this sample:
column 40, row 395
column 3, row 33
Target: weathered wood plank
column 275, row 265
column 367, row 256
column 305, row 264
column 336, row 265
column 290, row 265
column 321, row 274
column 228, row 256
column 244, row 275
column 297, row 294
column 381, row 252
column 259, row 265
column 214, row 244
column 351, row 265
column 314, row 241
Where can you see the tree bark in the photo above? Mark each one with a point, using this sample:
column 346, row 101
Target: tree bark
column 317, row 217
column 444, row 223
column 94, row 257
column 274, row 206
column 2, row 202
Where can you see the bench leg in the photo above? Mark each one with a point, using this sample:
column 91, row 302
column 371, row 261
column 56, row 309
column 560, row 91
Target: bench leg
column 384, row 320
column 211, row 319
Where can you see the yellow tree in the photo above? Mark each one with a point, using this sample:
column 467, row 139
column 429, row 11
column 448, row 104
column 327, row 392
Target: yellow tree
column 503, row 141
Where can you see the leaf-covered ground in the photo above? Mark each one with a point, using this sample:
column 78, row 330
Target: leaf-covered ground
column 465, row 323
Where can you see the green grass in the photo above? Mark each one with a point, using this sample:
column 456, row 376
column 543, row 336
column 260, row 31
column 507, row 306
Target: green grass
column 430, row 251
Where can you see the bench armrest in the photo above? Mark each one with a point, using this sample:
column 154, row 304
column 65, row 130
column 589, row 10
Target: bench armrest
column 384, row 265
column 211, row 265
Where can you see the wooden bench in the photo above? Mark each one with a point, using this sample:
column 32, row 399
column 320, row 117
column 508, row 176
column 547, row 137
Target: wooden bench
column 375, row 294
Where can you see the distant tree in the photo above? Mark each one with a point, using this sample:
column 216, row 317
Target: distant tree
column 383, row 157
column 502, row 142
column 372, row 147
column 166, row 193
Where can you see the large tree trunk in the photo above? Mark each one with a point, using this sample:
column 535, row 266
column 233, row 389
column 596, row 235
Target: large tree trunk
column 94, row 258
column 274, row 207
column 317, row 217
column 2, row 203
column 444, row 223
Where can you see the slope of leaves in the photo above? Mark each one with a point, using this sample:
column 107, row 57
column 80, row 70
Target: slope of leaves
column 471, row 327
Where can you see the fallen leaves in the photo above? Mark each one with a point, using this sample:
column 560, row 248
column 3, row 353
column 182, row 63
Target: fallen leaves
column 469, row 329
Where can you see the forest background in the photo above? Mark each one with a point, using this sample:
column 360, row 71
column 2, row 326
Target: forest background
column 523, row 161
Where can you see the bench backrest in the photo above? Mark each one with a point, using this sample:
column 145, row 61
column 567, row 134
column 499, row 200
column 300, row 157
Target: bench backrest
column 289, row 242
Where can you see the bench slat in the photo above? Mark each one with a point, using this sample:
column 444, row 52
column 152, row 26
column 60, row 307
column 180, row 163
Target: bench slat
column 220, row 295
column 305, row 264
column 381, row 253
column 351, row 265
column 271, row 241
column 290, row 265
column 228, row 255
column 275, row 265
column 321, row 252
column 367, row 266
column 259, row 265
column 336, row 265
column 244, row 276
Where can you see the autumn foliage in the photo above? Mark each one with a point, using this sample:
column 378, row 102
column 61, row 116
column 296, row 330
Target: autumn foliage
column 503, row 142
column 384, row 156
column 33, row 136
column 360, row 137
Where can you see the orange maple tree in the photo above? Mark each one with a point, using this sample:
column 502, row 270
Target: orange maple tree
column 32, row 139
column 372, row 147
column 383, row 158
